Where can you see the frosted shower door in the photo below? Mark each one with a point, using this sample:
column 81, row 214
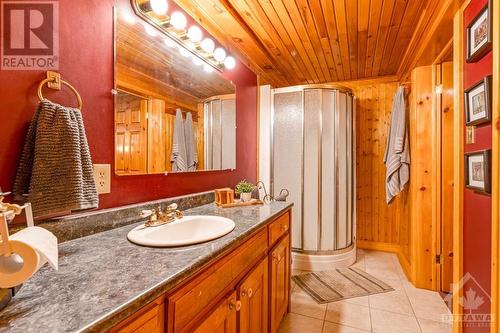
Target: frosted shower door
column 312, row 177
column 228, row 134
column 287, row 154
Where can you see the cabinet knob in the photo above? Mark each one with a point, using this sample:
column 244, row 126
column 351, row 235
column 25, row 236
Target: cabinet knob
column 284, row 227
column 234, row 305
column 277, row 257
column 247, row 292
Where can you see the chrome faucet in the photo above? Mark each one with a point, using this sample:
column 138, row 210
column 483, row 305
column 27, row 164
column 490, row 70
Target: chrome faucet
column 157, row 217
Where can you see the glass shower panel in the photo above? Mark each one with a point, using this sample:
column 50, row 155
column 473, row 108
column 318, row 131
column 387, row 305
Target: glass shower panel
column 287, row 154
column 228, row 134
column 216, row 134
column 342, row 170
column 312, row 175
column 328, row 184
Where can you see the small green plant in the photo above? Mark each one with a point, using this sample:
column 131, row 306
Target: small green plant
column 244, row 187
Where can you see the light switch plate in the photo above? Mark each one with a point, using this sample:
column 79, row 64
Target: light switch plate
column 102, row 176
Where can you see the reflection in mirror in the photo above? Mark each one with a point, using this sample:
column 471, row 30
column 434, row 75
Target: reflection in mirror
column 157, row 79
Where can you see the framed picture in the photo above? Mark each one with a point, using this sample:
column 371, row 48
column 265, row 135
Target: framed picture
column 477, row 171
column 480, row 35
column 478, row 102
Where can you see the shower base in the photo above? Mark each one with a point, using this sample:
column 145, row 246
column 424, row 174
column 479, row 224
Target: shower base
column 323, row 260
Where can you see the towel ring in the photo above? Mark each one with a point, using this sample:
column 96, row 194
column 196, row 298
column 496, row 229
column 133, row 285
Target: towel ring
column 40, row 95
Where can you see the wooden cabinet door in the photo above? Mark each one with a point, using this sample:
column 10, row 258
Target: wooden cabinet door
column 279, row 271
column 254, row 300
column 223, row 318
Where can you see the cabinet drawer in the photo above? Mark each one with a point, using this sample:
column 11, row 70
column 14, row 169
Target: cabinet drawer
column 150, row 319
column 279, row 227
column 193, row 299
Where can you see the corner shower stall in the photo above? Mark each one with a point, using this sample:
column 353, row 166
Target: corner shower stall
column 312, row 155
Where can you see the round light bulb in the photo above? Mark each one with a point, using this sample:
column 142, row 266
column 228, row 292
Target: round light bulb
column 129, row 18
column 178, row 20
column 219, row 54
column 170, row 43
column 150, row 30
column 208, row 45
column 194, row 34
column 230, row 63
column 197, row 61
column 185, row 53
column 160, row 7
column 207, row 68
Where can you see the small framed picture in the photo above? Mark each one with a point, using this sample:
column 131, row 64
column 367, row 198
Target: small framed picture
column 477, row 171
column 480, row 35
column 478, row 102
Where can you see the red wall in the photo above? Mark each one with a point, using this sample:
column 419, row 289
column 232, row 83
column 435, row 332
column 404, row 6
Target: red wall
column 477, row 207
column 86, row 60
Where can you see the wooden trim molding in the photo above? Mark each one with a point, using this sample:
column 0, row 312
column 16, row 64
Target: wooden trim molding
column 495, row 193
column 378, row 246
column 458, row 69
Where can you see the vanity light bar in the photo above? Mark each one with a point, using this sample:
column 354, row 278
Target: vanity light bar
column 190, row 39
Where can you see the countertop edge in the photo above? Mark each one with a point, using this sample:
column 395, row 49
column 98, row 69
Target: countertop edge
column 119, row 314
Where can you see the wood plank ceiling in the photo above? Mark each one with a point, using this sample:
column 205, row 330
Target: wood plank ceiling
column 290, row 42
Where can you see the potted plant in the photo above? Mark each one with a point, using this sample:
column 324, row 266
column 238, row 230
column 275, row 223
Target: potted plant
column 244, row 189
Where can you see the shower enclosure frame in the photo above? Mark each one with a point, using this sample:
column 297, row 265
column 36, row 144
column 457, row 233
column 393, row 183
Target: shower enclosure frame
column 320, row 259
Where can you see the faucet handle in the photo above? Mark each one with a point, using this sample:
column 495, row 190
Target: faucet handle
column 171, row 207
column 147, row 212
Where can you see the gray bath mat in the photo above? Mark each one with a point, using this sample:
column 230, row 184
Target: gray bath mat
column 342, row 283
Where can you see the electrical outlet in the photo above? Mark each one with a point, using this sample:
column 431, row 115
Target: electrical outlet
column 102, row 176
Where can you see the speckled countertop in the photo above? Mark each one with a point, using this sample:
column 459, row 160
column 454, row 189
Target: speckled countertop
column 103, row 278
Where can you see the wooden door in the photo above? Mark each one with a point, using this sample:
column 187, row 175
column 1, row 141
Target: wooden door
column 223, row 318
column 157, row 137
column 131, row 134
column 279, row 276
column 447, row 176
column 254, row 300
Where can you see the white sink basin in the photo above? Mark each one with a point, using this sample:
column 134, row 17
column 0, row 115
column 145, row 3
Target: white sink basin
column 185, row 231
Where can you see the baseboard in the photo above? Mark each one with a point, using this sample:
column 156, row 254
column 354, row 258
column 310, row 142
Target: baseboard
column 378, row 246
column 406, row 266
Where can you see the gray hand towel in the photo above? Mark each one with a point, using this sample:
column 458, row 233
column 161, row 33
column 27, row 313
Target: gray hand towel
column 179, row 156
column 397, row 152
column 55, row 170
column 192, row 155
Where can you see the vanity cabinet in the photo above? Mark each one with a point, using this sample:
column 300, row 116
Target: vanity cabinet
column 246, row 290
column 253, row 295
column 223, row 318
column 279, row 268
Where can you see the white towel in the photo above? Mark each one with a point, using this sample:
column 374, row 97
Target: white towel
column 179, row 156
column 192, row 156
column 397, row 152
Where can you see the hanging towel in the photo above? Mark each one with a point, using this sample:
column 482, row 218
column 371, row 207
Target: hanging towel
column 179, row 156
column 397, row 152
column 192, row 155
column 55, row 170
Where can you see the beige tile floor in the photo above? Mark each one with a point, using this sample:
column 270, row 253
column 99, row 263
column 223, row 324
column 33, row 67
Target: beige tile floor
column 406, row 309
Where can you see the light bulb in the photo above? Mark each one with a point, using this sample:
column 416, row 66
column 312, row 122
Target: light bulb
column 129, row 18
column 170, row 43
column 197, row 61
column 160, row 7
column 208, row 45
column 185, row 53
column 207, row 68
column 219, row 54
column 178, row 20
column 150, row 30
column 230, row 63
column 194, row 34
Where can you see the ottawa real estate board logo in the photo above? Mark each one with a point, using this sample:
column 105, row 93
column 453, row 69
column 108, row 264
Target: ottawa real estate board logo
column 29, row 35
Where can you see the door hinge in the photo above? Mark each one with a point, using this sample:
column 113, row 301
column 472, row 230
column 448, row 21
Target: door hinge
column 438, row 258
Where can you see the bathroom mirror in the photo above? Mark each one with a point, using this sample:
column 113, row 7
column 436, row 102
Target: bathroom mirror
column 155, row 77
